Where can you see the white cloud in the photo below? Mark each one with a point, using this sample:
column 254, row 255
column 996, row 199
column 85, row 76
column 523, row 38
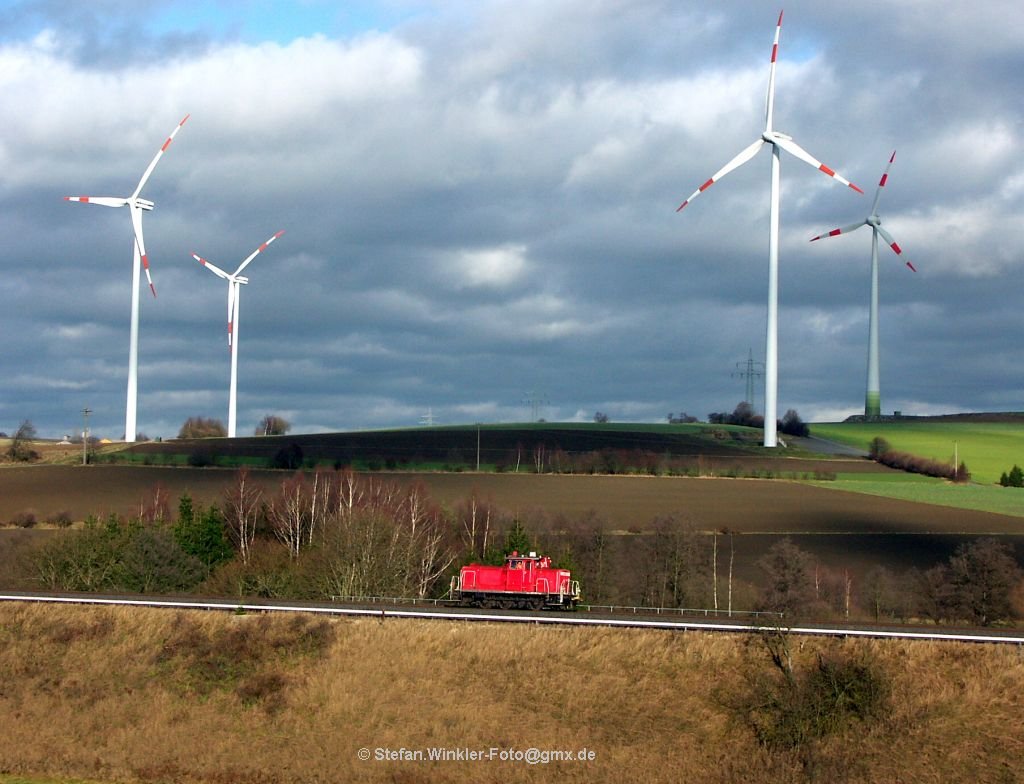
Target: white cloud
column 492, row 267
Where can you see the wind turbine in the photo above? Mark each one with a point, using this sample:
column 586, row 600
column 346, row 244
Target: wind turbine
column 135, row 207
column 778, row 141
column 235, row 282
column 873, row 397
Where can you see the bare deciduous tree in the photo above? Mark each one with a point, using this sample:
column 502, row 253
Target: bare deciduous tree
column 19, row 450
column 273, row 425
column 241, row 512
column 289, row 514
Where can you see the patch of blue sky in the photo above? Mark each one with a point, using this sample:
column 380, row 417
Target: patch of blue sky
column 255, row 21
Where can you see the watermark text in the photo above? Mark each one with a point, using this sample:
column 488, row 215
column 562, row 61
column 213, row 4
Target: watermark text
column 530, row 756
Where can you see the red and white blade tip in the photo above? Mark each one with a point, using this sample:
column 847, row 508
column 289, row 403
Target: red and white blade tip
column 699, row 190
column 833, row 233
column 775, row 45
column 263, row 247
column 145, row 266
column 831, row 173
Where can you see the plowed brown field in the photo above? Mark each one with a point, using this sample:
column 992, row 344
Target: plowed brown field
column 842, row 529
column 625, row 502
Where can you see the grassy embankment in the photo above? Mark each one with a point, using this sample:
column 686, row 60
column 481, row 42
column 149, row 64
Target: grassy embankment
column 988, row 449
column 123, row 695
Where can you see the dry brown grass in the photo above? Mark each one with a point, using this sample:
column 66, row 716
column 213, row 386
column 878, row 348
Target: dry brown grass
column 125, row 695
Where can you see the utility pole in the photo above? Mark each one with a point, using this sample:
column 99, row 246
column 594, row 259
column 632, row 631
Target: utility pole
column 749, row 372
column 85, row 435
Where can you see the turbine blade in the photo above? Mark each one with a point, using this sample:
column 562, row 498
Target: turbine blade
column 256, row 252
column 796, row 150
column 137, row 226
column 160, row 152
column 842, row 230
column 769, row 101
column 104, row 201
column 881, row 183
column 213, row 268
column 894, row 245
column 735, row 163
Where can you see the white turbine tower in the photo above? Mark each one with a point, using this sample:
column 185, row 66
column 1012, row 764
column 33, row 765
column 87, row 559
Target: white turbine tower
column 873, row 397
column 235, row 282
column 135, row 206
column 777, row 141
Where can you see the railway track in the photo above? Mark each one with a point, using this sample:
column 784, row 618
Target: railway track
column 449, row 613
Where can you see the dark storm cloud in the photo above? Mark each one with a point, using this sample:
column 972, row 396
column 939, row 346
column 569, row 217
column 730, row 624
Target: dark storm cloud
column 478, row 206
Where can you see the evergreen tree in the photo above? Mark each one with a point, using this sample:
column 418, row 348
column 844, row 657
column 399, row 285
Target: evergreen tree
column 1016, row 477
column 517, row 539
column 202, row 534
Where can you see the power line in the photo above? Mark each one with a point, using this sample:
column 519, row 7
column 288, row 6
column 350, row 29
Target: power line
column 749, row 372
column 537, row 401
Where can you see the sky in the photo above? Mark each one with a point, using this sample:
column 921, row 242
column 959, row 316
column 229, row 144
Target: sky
column 479, row 206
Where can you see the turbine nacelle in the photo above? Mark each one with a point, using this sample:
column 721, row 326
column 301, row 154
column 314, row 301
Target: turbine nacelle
column 142, row 204
column 774, row 137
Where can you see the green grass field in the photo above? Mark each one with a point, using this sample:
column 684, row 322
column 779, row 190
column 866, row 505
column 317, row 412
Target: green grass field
column 988, row 448
column 928, row 490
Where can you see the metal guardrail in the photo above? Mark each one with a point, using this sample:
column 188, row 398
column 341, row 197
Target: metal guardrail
column 391, row 600
column 621, row 609
column 707, row 612
column 561, row 619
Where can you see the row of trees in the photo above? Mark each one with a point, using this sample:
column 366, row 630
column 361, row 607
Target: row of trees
column 744, row 415
column 206, row 427
column 880, row 451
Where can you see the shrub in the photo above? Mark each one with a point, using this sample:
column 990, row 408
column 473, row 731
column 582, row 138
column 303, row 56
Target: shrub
column 793, row 425
column 288, row 457
column 792, row 704
column 916, row 464
column 26, row 519
column 202, row 457
column 201, row 427
column 878, row 447
column 61, row 520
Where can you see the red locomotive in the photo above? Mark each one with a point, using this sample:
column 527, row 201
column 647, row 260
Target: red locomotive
column 525, row 582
